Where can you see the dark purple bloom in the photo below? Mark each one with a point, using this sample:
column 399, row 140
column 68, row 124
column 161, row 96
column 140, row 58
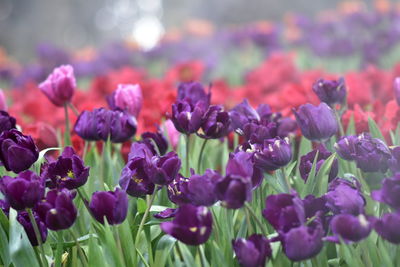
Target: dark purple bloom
column 346, row 147
column 389, row 192
column 307, row 161
column 193, row 92
column 57, row 211
column 162, row 170
column 6, row 121
column 187, row 117
column 23, row 219
column 397, row 89
column 344, row 196
column 274, row 154
column 200, row 189
column 233, row 190
column 192, row 225
column 243, row 113
column 101, row 124
column 316, row 123
column 24, row 191
column 5, row 207
column 140, row 150
column 156, row 140
column 68, row 171
column 134, row 179
column 253, row 251
column 166, row 214
column 388, row 227
column 372, row 154
column 241, row 163
column 303, row 242
column 176, row 191
column 394, row 161
column 216, row 123
column 18, row 152
column 109, row 204
column 330, row 92
column 350, row 228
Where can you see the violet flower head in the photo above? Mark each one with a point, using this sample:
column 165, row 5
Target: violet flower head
column 394, row 161
column 317, row 123
column 307, row 161
column 241, row 163
column 17, row 151
column 57, row 211
column 5, row 207
column 397, row 89
column 6, row 121
column 192, row 225
column 350, row 228
column 253, row 251
column 23, row 191
column 176, row 191
column 162, row 170
column 187, row 118
column 134, row 179
column 113, row 205
column 3, row 101
column 243, row 113
column 60, row 85
column 216, row 123
column 68, row 171
column 156, row 141
column 330, row 92
column 346, row 147
column 128, row 97
column 388, row 227
column 86, row 125
column 166, row 214
column 233, row 190
column 141, row 150
column 345, row 196
column 23, row 219
column 122, row 127
column 193, row 92
column 274, row 154
column 303, row 242
column 389, row 192
column 200, row 189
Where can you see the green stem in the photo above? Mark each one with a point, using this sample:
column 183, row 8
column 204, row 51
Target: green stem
column 73, row 108
column 38, row 237
column 67, row 134
column 341, row 130
column 59, row 250
column 85, row 149
column 200, row 161
column 256, row 219
column 80, row 250
column 146, row 213
column 201, row 255
column 250, row 229
column 187, row 155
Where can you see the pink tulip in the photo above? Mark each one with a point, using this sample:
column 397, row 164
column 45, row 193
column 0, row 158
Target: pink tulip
column 129, row 97
column 397, row 89
column 173, row 134
column 3, row 102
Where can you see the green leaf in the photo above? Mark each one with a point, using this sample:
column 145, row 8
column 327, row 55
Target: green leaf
column 323, row 175
column 311, row 180
column 21, row 251
column 127, row 243
column 374, row 129
column 187, row 255
column 4, row 252
column 351, row 126
column 163, row 250
column 141, row 205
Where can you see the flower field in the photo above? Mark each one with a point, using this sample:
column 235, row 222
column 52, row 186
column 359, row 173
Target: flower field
column 269, row 144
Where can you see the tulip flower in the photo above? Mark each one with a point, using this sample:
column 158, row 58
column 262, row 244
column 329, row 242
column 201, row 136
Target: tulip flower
column 129, row 97
column 156, row 141
column 241, row 163
column 162, row 170
column 274, row 154
column 253, row 251
column 194, row 93
column 200, row 189
column 60, row 85
column 6, row 121
column 175, row 190
column 389, row 192
column 216, row 123
column 233, row 190
column 111, row 205
column 307, row 161
column 346, row 147
column 134, row 179
column 187, row 118
column 394, row 161
column 351, row 228
column 3, row 102
column 388, row 227
column 330, row 92
column 23, row 219
column 17, row 151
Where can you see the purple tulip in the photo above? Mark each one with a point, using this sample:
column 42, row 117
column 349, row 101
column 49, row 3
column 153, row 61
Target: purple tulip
column 241, row 163
column 60, row 85
column 57, row 211
column 86, row 125
column 192, row 225
column 233, row 190
column 397, row 89
column 274, row 154
column 162, row 170
column 344, row 196
column 394, row 161
column 128, row 97
column 3, row 101
column 243, row 113
column 156, row 141
column 389, row 192
column 350, row 228
column 141, row 150
column 68, row 171
column 187, row 118
column 17, row 151
column 252, row 252
column 316, row 123
column 23, row 219
column 303, row 242
column 388, row 227
column 307, row 161
column 24, row 191
column 193, row 92
column 6, row 121
column 200, row 189
column 346, row 147
column 176, row 191
column 5, row 207
column 330, row 92
column 134, row 179
column 216, row 123
column 109, row 204
column 166, row 214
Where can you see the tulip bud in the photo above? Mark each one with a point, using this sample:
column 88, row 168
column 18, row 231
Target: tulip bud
column 388, row 227
column 389, row 192
column 252, row 252
column 193, row 92
column 351, row 228
column 129, row 97
column 187, row 118
column 109, row 204
column 330, row 92
column 60, row 85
